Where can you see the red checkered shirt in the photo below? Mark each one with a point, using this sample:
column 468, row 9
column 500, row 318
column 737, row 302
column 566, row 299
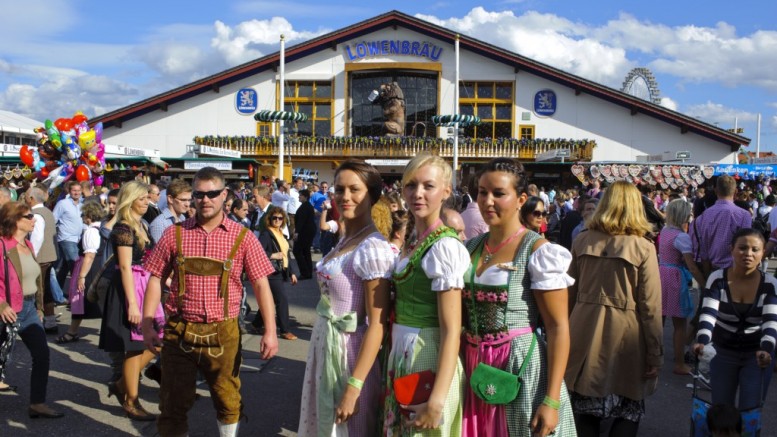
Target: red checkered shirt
column 201, row 301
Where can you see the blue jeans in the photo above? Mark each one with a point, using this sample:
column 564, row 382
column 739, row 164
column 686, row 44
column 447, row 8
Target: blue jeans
column 56, row 290
column 68, row 254
column 731, row 369
column 32, row 334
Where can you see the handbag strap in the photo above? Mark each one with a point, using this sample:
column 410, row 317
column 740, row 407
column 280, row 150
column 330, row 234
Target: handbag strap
column 528, row 355
column 5, row 268
column 478, row 251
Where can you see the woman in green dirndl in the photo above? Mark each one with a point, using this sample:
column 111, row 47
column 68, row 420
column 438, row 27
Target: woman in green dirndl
column 426, row 335
column 516, row 279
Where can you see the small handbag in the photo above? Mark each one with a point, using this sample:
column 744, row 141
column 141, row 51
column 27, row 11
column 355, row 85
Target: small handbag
column 495, row 386
column 415, row 388
column 7, row 330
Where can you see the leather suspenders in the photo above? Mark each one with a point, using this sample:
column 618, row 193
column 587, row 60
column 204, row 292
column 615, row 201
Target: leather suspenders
column 205, row 266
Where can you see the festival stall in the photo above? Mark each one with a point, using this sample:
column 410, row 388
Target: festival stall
column 664, row 175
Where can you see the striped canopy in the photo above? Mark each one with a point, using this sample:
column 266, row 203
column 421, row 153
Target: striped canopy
column 450, row 120
column 280, row 115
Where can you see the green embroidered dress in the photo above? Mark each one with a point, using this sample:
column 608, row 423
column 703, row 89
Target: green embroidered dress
column 502, row 301
column 438, row 264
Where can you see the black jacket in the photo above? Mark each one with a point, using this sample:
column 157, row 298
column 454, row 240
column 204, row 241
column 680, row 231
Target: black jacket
column 270, row 246
column 305, row 222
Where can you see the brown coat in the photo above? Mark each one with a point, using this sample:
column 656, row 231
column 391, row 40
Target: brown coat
column 615, row 322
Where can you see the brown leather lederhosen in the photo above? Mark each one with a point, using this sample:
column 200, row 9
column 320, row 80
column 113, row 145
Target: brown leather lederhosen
column 205, row 266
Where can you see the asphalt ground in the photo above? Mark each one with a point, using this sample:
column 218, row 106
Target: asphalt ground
column 270, row 389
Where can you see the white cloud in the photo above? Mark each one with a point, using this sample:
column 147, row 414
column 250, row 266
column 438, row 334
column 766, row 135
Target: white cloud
column 244, row 42
column 62, row 96
column 547, row 38
column 606, row 53
column 711, row 112
column 668, row 103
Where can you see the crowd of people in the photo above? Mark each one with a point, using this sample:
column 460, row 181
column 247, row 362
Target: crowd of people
column 499, row 309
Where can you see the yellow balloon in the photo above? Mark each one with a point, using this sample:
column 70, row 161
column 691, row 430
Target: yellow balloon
column 86, row 140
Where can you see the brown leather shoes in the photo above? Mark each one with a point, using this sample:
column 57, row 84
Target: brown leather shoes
column 136, row 412
column 288, row 336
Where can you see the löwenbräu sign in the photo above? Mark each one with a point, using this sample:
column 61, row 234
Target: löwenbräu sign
column 367, row 49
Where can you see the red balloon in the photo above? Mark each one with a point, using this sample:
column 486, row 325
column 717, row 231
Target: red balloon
column 26, row 155
column 78, row 119
column 67, row 124
column 82, row 173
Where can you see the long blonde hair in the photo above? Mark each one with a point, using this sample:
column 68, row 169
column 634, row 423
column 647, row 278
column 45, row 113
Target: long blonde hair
column 621, row 212
column 130, row 192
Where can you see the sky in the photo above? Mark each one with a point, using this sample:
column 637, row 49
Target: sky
column 714, row 60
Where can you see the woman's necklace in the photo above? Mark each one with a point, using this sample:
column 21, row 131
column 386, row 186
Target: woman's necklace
column 343, row 243
column 416, row 239
column 490, row 253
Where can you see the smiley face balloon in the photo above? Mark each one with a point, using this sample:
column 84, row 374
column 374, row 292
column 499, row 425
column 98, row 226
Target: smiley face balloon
column 87, row 140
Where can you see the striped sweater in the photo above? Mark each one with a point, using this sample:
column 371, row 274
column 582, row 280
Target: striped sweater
column 719, row 321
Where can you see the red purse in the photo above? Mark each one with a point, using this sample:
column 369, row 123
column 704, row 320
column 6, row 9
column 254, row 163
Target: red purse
column 415, row 388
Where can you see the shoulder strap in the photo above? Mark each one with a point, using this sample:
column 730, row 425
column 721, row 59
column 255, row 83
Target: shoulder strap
column 5, row 267
column 224, row 291
column 528, row 356
column 180, row 260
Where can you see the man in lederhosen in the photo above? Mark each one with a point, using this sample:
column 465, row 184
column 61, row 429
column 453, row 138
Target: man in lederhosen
column 209, row 252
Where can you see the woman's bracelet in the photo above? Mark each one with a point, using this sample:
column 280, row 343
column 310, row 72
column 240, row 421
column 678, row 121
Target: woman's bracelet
column 552, row 403
column 355, row 383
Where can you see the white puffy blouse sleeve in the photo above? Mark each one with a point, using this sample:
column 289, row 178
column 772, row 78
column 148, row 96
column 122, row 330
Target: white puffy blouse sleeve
column 548, row 267
column 374, row 259
column 91, row 240
column 445, row 264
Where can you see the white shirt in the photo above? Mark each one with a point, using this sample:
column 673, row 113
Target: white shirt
column 444, row 263
column 293, row 201
column 280, row 199
column 545, row 199
column 37, row 234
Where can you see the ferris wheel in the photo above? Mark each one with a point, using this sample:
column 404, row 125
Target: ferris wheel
column 641, row 83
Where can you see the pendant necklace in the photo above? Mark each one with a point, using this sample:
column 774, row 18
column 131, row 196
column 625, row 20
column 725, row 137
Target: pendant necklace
column 490, row 253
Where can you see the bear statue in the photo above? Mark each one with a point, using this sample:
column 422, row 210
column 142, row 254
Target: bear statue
column 391, row 98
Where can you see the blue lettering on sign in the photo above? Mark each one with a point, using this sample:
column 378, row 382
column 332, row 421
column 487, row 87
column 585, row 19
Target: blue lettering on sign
column 545, row 103
column 364, row 49
column 245, row 101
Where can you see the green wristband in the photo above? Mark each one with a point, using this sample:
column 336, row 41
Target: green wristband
column 552, row 403
column 356, row 383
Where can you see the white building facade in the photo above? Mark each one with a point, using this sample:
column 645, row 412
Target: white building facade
column 329, row 78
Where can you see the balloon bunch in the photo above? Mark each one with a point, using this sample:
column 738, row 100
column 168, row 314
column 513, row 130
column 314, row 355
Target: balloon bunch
column 67, row 148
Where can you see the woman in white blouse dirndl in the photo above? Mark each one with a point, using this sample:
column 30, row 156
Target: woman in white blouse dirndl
column 341, row 388
column 517, row 279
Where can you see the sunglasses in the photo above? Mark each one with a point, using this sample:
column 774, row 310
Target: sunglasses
column 199, row 195
column 276, row 218
column 539, row 214
column 30, row 216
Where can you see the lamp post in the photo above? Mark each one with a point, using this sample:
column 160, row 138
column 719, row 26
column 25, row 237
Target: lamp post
column 283, row 107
